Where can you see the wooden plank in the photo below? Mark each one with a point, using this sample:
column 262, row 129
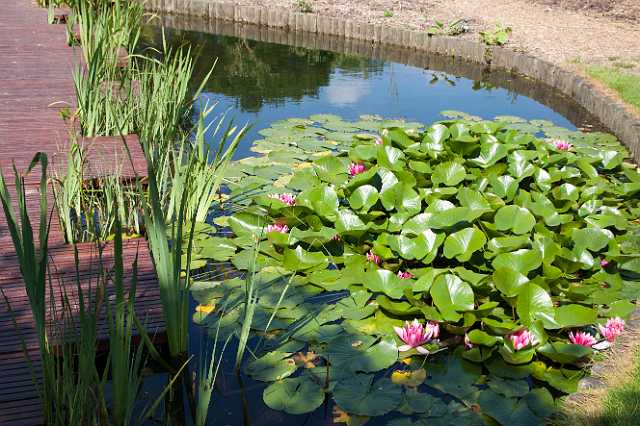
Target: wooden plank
column 35, row 83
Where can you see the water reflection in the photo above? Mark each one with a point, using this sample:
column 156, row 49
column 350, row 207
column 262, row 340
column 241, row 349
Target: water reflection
column 261, row 82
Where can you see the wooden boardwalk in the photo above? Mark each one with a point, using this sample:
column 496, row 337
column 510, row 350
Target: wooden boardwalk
column 35, row 82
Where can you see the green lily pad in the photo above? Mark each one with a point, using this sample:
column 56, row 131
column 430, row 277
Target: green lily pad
column 364, row 396
column 297, row 395
column 272, row 366
column 515, row 218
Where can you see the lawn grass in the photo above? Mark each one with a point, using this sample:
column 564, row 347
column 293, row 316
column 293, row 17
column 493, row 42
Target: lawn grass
column 621, row 406
column 626, row 84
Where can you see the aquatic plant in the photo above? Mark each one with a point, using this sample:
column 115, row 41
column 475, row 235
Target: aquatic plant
column 612, row 329
column 88, row 206
column 582, row 338
column 70, row 386
column 521, row 339
column 107, row 26
column 414, row 335
column 502, row 231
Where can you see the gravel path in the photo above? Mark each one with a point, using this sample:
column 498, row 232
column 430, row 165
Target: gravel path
column 561, row 31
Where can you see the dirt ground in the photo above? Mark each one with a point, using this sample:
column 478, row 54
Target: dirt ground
column 561, row 31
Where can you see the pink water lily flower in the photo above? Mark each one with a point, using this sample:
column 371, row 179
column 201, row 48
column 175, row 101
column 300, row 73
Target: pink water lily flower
column 435, row 329
column 356, row 169
column 561, row 145
column 604, row 263
column 612, row 329
column 278, row 227
column 522, row 338
column 405, row 275
column 373, row 258
column 582, row 338
column 378, row 141
column 414, row 335
column 288, row 199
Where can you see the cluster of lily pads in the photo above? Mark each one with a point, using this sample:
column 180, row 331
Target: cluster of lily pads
column 434, row 273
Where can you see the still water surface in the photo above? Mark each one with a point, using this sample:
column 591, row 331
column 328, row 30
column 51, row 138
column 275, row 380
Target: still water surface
column 259, row 83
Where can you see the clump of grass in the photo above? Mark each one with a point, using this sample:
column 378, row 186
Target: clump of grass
column 304, row 6
column 498, row 36
column 453, row 28
column 626, row 84
column 622, row 404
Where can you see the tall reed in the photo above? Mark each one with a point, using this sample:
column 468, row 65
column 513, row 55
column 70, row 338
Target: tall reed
column 32, row 253
column 88, row 206
column 126, row 362
column 67, row 386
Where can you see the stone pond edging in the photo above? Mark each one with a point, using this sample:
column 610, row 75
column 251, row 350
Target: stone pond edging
column 611, row 112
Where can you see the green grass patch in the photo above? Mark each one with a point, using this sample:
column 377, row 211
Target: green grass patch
column 622, row 405
column 627, row 85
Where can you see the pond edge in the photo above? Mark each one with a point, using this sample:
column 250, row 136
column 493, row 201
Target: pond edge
column 614, row 114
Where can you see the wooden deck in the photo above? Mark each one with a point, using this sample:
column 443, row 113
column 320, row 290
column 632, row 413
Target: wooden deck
column 35, row 82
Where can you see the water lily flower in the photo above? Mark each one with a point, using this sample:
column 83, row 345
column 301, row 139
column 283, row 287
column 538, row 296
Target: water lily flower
column 288, row 199
column 378, row 140
column 522, row 338
column 373, row 258
column 604, row 263
column 582, row 338
column 467, row 342
column 561, row 145
column 278, row 227
column 414, row 335
column 336, row 237
column 404, row 275
column 435, row 329
column 356, row 169
column 612, row 329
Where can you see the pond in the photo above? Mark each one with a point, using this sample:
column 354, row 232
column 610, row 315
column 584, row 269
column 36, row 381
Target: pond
column 317, row 100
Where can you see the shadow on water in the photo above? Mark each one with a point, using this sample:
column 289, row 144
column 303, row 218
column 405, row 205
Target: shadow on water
column 264, row 75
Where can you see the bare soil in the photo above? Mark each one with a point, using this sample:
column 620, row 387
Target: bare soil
column 624, row 10
column 561, row 31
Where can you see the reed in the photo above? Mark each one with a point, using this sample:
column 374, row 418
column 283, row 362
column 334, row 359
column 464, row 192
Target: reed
column 106, row 26
column 32, row 254
column 73, row 390
column 88, row 207
column 67, row 352
column 126, row 361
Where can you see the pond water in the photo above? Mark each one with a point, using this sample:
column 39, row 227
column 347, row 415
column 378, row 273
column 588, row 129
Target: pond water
column 260, row 82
